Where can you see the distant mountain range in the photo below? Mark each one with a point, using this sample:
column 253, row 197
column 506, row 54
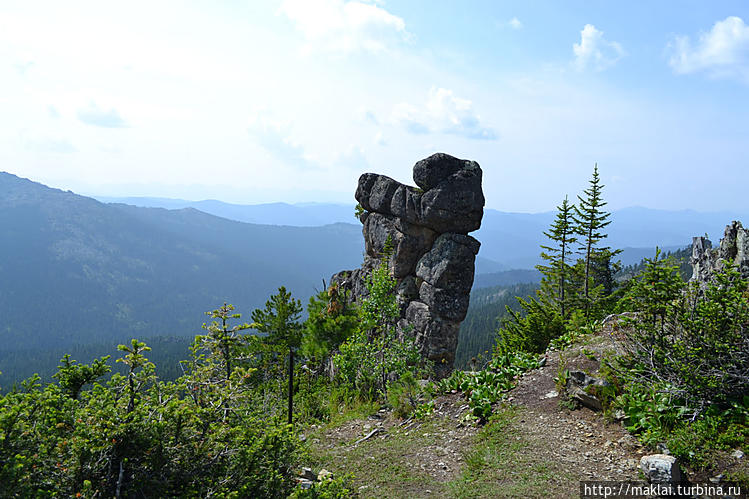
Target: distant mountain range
column 508, row 240
column 298, row 215
column 76, row 272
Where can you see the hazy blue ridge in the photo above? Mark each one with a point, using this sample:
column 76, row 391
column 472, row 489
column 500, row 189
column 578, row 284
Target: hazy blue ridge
column 508, row 240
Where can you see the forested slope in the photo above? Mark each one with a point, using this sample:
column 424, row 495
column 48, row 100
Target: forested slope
column 74, row 271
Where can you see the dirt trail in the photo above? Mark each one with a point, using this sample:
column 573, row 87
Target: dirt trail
column 580, row 439
column 543, row 449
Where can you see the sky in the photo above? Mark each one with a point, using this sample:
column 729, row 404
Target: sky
column 291, row 100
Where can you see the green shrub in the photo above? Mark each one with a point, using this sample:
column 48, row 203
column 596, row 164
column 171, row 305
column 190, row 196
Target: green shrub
column 330, row 321
column 312, row 400
column 487, row 387
column 657, row 418
column 530, row 330
column 424, row 410
column 650, row 412
column 202, row 435
column 375, row 353
column 327, row 488
column 717, row 429
column 576, row 327
column 403, row 395
column 695, row 345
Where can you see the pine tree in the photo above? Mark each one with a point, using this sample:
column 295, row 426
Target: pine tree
column 222, row 340
column 590, row 220
column 73, row 376
column 603, row 267
column 558, row 272
column 653, row 291
column 134, row 360
column 280, row 319
column 330, row 321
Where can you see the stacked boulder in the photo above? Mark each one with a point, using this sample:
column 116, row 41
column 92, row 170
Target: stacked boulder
column 733, row 249
column 433, row 255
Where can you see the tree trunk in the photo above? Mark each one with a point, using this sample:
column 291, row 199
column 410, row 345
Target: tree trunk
column 587, row 269
column 291, row 384
column 562, row 275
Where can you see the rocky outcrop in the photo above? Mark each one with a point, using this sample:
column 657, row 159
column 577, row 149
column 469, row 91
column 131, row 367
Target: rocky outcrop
column 583, row 389
column 433, row 255
column 449, row 197
column 733, row 249
column 661, row 469
column 409, row 241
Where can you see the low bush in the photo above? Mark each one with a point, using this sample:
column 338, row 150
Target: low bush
column 328, row 488
column 685, row 374
column 692, row 343
column 530, row 330
column 136, row 436
column 488, row 386
column 404, row 395
column 656, row 418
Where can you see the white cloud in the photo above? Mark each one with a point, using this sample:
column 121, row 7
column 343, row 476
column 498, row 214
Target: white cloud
column 353, row 158
column 345, row 26
column 49, row 145
column 513, row 23
column 443, row 113
column 23, row 66
column 106, row 118
column 379, row 139
column 368, row 116
column 275, row 137
column 595, row 51
column 302, row 166
column 722, row 52
column 410, row 117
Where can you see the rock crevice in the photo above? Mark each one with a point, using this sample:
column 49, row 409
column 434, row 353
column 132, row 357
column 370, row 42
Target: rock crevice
column 433, row 255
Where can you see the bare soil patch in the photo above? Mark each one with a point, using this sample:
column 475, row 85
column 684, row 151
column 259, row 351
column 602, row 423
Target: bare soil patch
column 404, row 458
column 589, row 446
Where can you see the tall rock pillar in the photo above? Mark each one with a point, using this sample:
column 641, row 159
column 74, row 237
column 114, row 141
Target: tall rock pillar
column 433, row 255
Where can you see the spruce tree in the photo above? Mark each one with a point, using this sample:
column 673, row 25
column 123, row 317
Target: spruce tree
column 557, row 272
column 591, row 219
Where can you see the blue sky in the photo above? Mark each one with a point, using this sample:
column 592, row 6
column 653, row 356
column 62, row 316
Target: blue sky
column 292, row 100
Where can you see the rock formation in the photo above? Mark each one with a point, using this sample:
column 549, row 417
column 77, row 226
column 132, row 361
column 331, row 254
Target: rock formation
column 433, row 255
column 661, row 469
column 734, row 249
column 583, row 388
